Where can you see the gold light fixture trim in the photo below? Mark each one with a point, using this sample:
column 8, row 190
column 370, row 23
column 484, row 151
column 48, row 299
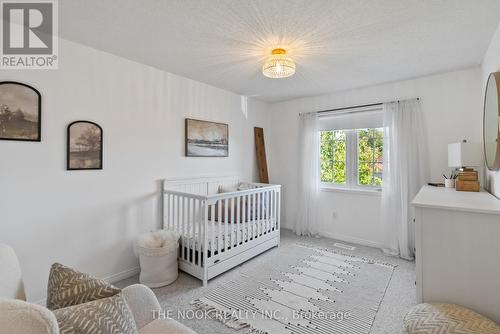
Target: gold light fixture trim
column 278, row 65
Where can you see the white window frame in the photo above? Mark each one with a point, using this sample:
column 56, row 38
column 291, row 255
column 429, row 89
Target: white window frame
column 351, row 165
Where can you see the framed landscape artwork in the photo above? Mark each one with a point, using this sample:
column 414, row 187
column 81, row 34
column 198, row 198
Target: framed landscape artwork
column 20, row 112
column 84, row 146
column 206, row 139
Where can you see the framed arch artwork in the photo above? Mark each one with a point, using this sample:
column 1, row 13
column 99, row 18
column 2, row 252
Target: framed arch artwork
column 84, row 146
column 20, row 112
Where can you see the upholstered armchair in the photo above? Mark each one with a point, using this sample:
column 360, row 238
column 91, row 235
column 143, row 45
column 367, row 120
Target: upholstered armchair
column 19, row 316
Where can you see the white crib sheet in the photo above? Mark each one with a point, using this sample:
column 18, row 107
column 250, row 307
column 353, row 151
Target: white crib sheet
column 230, row 237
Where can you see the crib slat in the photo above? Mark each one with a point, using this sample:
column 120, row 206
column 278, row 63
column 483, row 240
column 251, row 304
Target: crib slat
column 189, row 226
column 175, row 204
column 201, row 231
column 231, row 223
column 271, row 208
column 247, row 217
column 219, row 223
column 254, row 215
column 179, row 212
column 174, row 217
column 268, row 210
column 204, row 219
column 166, row 217
column 166, row 212
column 179, row 226
column 264, row 210
column 259, row 213
column 196, row 229
column 194, row 222
column 172, row 211
column 271, row 212
column 185, row 218
column 263, row 213
column 238, row 203
column 212, row 230
column 278, row 213
column 169, row 211
column 186, row 227
column 274, row 210
column 226, row 222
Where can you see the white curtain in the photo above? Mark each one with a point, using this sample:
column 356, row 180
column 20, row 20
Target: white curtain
column 307, row 216
column 405, row 172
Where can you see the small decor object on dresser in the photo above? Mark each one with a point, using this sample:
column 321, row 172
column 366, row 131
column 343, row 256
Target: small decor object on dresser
column 468, row 180
column 84, row 146
column 206, row 139
column 20, row 112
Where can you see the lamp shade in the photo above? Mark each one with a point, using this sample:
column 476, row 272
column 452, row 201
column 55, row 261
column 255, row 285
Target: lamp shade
column 464, row 155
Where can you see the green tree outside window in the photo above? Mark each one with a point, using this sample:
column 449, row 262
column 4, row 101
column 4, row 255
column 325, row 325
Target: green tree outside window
column 368, row 167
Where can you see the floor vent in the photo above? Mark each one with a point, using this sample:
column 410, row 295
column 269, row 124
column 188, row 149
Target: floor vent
column 344, row 246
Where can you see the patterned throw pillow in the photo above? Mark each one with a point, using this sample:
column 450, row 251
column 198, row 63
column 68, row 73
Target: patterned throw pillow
column 108, row 315
column 68, row 287
column 447, row 318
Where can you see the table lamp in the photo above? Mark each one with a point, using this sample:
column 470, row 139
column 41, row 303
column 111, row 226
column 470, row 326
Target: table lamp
column 465, row 155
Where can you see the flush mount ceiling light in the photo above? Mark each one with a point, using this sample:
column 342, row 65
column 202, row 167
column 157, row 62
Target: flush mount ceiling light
column 278, row 65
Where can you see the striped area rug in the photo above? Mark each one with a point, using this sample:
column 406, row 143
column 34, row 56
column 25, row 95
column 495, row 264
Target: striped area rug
column 309, row 290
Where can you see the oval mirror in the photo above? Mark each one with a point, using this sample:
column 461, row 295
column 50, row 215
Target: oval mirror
column 491, row 122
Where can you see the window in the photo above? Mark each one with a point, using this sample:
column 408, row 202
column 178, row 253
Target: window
column 352, row 159
column 370, row 152
column 333, row 156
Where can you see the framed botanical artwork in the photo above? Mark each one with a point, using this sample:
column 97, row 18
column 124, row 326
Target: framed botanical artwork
column 84, row 146
column 206, row 139
column 20, row 112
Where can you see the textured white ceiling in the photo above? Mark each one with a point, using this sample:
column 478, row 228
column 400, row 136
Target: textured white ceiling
column 337, row 44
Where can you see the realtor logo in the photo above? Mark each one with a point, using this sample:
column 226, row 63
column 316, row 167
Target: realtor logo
column 29, row 34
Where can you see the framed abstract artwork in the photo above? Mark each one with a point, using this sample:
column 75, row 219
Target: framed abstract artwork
column 84, row 146
column 206, row 139
column 20, row 112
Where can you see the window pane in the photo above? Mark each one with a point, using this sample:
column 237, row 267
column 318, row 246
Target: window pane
column 339, row 172
column 339, row 147
column 365, row 173
column 377, row 176
column 326, row 155
column 365, row 145
column 379, row 147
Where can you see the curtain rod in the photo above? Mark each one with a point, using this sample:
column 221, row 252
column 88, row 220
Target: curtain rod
column 356, row 107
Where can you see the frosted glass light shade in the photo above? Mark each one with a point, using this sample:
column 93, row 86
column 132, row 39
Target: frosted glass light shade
column 278, row 65
column 464, row 155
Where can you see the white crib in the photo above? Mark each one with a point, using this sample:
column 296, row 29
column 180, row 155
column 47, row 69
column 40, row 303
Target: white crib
column 220, row 230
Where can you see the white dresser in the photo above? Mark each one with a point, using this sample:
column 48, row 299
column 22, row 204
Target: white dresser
column 457, row 241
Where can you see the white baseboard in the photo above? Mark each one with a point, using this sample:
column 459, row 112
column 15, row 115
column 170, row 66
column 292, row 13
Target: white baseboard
column 353, row 240
column 345, row 238
column 110, row 279
column 122, row 275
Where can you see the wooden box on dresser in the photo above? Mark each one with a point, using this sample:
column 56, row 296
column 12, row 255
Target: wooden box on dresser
column 457, row 246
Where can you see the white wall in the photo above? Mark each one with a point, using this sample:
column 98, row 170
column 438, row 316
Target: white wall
column 88, row 219
column 491, row 63
column 451, row 111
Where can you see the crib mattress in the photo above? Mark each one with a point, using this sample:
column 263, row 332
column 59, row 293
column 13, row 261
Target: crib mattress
column 228, row 232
